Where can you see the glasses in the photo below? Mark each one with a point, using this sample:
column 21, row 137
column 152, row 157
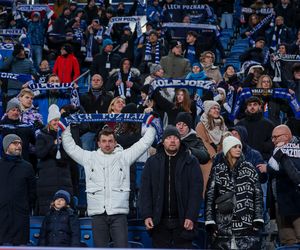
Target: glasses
column 208, row 56
column 275, row 137
column 16, row 143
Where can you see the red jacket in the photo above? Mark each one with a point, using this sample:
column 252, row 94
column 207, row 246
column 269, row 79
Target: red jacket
column 67, row 68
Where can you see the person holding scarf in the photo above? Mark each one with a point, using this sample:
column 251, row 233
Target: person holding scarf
column 115, row 107
column 125, row 82
column 54, row 164
column 211, row 129
column 234, row 201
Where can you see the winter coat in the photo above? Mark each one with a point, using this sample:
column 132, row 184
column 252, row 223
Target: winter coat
column 135, row 79
column 196, row 146
column 36, row 32
column 99, row 64
column 252, row 54
column 107, row 175
column 25, row 131
column 54, row 174
column 60, row 228
column 287, row 182
column 188, row 186
column 175, row 66
column 17, row 197
column 259, row 133
column 19, row 66
column 67, row 68
column 213, row 72
column 243, row 181
column 32, row 116
column 288, row 13
column 92, row 105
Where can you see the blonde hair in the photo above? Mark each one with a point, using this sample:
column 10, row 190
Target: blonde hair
column 26, row 91
column 205, row 53
column 110, row 107
column 260, row 79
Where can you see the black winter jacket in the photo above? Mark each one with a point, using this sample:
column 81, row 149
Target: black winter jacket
column 188, row 186
column 60, row 228
column 17, row 197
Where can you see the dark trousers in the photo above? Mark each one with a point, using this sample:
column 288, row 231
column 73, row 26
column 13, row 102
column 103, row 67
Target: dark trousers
column 110, row 226
column 168, row 235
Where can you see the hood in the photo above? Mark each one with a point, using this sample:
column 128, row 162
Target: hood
column 192, row 132
column 243, row 134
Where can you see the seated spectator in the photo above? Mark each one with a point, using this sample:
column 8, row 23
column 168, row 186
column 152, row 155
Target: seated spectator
column 60, row 227
column 66, row 66
column 253, row 74
column 54, row 164
column 197, row 74
column 11, row 123
column 125, row 82
column 207, row 60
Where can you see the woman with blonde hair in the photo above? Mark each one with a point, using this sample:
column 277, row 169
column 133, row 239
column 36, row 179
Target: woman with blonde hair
column 115, row 107
column 207, row 60
column 211, row 129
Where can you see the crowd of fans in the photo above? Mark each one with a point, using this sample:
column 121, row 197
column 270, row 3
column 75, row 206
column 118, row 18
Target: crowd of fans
column 242, row 131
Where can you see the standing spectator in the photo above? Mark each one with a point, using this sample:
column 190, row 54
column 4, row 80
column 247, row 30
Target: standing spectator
column 36, row 35
column 294, row 88
column 231, row 220
column 19, row 64
column 29, row 114
column 207, row 60
column 11, row 124
column 227, row 7
column 115, row 107
column 259, row 128
column 60, row 226
column 108, row 182
column 286, row 9
column 125, row 81
column 96, row 100
column 18, row 191
column 154, row 12
column 284, row 168
column 211, row 129
column 66, row 66
column 191, row 48
column 255, row 53
column 170, row 203
column 43, row 72
column 54, row 164
column 174, row 64
column 106, row 61
column 184, row 124
column 90, row 11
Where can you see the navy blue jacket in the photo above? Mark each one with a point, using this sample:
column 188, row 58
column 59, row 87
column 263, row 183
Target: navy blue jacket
column 60, row 228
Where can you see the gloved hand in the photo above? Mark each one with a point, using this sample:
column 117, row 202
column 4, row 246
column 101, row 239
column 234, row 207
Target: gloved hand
column 278, row 155
column 257, row 225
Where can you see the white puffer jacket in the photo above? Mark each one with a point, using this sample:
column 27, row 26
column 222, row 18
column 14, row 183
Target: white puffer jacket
column 107, row 175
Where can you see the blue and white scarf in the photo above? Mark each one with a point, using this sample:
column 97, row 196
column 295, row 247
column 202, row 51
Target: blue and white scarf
column 276, row 65
column 183, row 83
column 11, row 32
column 262, row 11
column 125, row 19
column 120, row 118
column 74, row 99
column 32, row 8
column 259, row 26
column 121, row 87
column 148, row 52
column 276, row 39
column 13, row 76
column 275, row 93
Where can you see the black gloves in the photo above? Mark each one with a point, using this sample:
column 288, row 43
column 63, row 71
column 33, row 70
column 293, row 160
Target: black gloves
column 211, row 229
column 257, row 225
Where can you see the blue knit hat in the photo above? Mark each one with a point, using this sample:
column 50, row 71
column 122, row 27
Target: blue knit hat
column 62, row 194
column 198, row 65
column 107, row 42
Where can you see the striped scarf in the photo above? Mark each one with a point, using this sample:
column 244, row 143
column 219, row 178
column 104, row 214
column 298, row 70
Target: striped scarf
column 276, row 37
column 122, row 85
column 148, row 56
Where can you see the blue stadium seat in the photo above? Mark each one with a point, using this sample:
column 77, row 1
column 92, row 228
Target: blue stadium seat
column 86, row 231
column 35, row 227
column 293, row 247
column 139, row 171
column 138, row 233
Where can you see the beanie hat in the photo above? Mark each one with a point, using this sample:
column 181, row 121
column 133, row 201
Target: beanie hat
column 53, row 113
column 145, row 88
column 252, row 99
column 170, row 130
column 209, row 104
column 68, row 48
column 260, row 38
column 17, row 49
column 13, row 103
column 198, row 65
column 8, row 139
column 229, row 142
column 62, row 194
column 107, row 42
column 186, row 118
column 154, row 68
column 174, row 43
column 130, row 108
